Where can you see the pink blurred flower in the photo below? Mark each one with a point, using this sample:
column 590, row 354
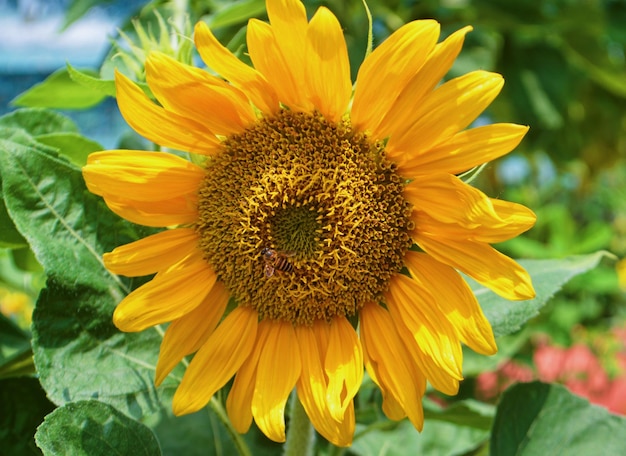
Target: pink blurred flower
column 576, row 367
column 490, row 384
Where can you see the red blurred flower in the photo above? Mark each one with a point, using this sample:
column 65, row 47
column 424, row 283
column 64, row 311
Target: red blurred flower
column 576, row 367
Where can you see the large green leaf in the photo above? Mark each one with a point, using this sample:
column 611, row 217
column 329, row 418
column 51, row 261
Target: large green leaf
column 49, row 128
column 437, row 437
column 548, row 276
column 238, row 12
column 72, row 145
column 60, row 91
column 540, row 419
column 94, row 428
column 468, row 421
column 466, row 413
column 88, row 80
column 46, row 197
column 79, row 354
column 198, row 434
column 10, row 238
column 24, row 406
column 37, row 121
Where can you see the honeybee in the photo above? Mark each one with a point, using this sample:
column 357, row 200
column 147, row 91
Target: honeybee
column 275, row 261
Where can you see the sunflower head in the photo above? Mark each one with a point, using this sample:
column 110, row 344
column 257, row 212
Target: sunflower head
column 303, row 219
column 333, row 218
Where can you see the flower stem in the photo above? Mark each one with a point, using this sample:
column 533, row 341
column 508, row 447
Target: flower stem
column 300, row 434
column 179, row 13
column 218, row 409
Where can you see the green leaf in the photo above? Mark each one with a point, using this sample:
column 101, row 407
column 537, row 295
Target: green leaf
column 47, row 200
column 80, row 354
column 9, row 236
column 197, row 434
column 548, row 277
column 14, row 347
column 72, row 145
column 238, row 12
column 37, row 121
column 24, row 406
column 469, row 413
column 59, row 91
column 78, row 8
column 93, row 428
column 88, row 80
column 540, row 419
column 52, row 129
column 475, row 363
column 437, row 437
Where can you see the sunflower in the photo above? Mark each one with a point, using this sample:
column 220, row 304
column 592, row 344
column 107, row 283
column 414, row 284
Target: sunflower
column 331, row 218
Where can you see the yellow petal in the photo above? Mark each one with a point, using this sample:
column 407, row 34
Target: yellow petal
column 437, row 377
column 312, row 387
column 518, row 219
column 147, row 176
column 278, row 370
column 421, row 365
column 281, row 62
column 312, row 384
column 401, row 115
column 412, row 306
column 343, row 366
column 463, row 151
column 345, row 428
column 445, row 112
column 447, row 199
column 455, row 300
column 160, row 126
column 170, row 295
column 167, row 212
column 243, row 76
column 189, row 332
column 479, row 233
column 195, row 94
column 387, row 70
column 268, row 60
column 481, row 262
column 153, row 253
column 289, row 28
column 390, row 366
column 217, row 361
column 239, row 401
column 327, row 66
column 444, row 203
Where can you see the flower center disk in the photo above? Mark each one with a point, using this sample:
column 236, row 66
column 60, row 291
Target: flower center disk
column 303, row 219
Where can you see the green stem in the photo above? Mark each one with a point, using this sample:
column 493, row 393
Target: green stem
column 218, row 409
column 300, row 434
column 179, row 13
column 336, row 451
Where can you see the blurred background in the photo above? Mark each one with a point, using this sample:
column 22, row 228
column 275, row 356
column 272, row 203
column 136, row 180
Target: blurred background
column 564, row 63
